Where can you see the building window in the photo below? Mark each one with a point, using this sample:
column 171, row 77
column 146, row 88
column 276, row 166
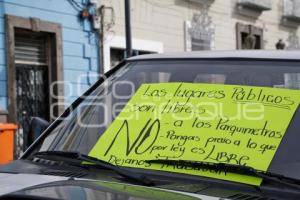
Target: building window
column 114, row 49
column 34, row 59
column 118, row 54
column 291, row 13
column 249, row 37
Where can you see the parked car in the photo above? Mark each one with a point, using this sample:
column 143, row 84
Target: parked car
column 58, row 165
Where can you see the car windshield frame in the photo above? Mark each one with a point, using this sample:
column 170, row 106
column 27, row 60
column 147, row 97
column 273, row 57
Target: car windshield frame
column 123, row 68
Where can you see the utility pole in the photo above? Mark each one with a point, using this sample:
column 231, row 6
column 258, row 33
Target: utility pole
column 128, row 29
column 101, row 41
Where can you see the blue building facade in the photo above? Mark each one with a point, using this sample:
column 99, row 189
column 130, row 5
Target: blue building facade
column 74, row 54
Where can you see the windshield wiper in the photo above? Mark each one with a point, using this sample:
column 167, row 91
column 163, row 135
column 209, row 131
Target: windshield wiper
column 239, row 169
column 78, row 159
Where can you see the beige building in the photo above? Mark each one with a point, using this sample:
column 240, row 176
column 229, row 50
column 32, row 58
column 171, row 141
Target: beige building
column 187, row 25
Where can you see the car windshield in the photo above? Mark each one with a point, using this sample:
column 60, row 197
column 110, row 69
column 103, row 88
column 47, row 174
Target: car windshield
column 81, row 130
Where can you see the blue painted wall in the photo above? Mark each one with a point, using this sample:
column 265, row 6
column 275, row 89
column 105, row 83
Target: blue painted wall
column 80, row 52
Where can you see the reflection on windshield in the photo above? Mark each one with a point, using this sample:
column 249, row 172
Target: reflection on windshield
column 103, row 191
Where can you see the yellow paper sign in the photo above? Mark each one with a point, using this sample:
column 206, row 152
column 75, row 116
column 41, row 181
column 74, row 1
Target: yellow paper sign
column 238, row 125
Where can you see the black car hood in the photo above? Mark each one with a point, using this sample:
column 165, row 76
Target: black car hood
column 92, row 189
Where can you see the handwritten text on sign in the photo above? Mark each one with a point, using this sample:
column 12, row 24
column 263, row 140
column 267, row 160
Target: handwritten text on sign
column 202, row 122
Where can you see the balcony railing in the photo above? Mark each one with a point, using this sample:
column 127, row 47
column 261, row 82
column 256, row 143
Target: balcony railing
column 291, row 10
column 258, row 5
